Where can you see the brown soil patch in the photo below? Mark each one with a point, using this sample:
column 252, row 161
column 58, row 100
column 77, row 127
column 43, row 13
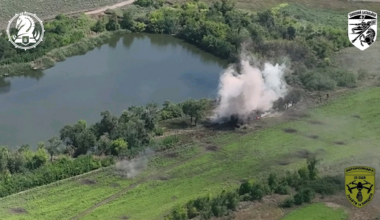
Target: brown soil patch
column 316, row 122
column 304, row 154
column 88, row 182
column 124, row 217
column 313, row 136
column 283, row 162
column 171, row 155
column 332, row 205
column 212, row 148
column 289, row 130
column 339, row 143
column 163, row 178
column 114, row 185
column 18, row 210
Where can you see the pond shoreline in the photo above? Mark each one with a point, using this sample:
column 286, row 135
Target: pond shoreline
column 59, row 54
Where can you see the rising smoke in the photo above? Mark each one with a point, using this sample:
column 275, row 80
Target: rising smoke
column 131, row 168
column 244, row 89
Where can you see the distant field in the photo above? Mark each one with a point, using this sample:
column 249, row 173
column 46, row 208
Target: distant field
column 342, row 133
column 317, row 211
column 341, row 5
column 47, row 8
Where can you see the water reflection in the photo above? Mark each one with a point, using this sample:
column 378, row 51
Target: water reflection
column 5, row 83
column 5, row 86
column 161, row 42
column 131, row 69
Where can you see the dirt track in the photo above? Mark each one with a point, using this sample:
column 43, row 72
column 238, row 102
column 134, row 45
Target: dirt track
column 103, row 9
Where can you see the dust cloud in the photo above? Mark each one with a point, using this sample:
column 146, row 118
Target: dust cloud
column 131, row 168
column 244, row 89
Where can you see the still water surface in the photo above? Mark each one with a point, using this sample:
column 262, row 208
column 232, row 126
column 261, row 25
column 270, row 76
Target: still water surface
column 130, row 70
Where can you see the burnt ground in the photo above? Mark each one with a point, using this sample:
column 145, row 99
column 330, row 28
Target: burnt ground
column 171, row 155
column 289, row 130
column 339, row 143
column 18, row 210
column 88, row 182
column 114, row 185
column 212, row 148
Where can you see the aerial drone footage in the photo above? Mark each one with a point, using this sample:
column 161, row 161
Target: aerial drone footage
column 176, row 110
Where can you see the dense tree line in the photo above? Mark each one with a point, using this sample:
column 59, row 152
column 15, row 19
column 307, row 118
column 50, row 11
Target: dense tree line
column 305, row 182
column 63, row 155
column 24, row 169
column 218, row 28
column 60, row 32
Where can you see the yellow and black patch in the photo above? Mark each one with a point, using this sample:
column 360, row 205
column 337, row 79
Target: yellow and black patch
column 360, row 185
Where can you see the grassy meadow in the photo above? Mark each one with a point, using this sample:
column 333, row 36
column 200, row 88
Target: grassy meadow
column 341, row 133
column 317, row 211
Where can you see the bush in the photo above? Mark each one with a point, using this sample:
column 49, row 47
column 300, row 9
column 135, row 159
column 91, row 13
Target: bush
column 289, row 202
column 282, row 190
column 58, row 170
column 169, row 142
column 159, row 131
column 327, row 185
column 362, row 74
column 343, row 78
column 304, row 195
column 144, row 3
column 315, row 81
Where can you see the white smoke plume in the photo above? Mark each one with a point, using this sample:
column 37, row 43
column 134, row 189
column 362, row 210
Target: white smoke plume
column 131, row 168
column 249, row 89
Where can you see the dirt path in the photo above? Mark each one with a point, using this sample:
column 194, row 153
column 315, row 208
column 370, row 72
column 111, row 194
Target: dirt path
column 101, row 10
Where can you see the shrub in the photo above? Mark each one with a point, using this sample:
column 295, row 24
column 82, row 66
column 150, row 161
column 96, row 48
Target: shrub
column 282, row 190
column 362, row 74
column 289, row 202
column 158, row 131
column 144, row 3
column 327, row 185
column 169, row 142
column 304, row 195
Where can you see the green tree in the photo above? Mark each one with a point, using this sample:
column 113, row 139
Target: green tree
column 118, row 146
column 40, row 157
column 99, row 26
column 311, row 166
column 103, row 144
column 4, row 155
column 113, row 23
column 272, row 181
column 127, row 20
column 86, row 141
column 16, row 162
column 53, row 146
column 291, row 32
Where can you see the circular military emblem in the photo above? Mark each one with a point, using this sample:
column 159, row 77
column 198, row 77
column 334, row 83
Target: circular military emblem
column 25, row 30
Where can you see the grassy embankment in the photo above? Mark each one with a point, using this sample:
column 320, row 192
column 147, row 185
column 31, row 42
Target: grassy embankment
column 333, row 131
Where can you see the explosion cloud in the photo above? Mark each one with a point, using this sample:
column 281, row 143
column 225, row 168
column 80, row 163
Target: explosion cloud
column 251, row 90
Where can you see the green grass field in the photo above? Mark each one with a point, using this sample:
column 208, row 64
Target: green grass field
column 340, row 132
column 316, row 212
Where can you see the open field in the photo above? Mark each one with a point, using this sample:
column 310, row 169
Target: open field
column 340, row 5
column 47, row 9
column 317, row 211
column 342, row 133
